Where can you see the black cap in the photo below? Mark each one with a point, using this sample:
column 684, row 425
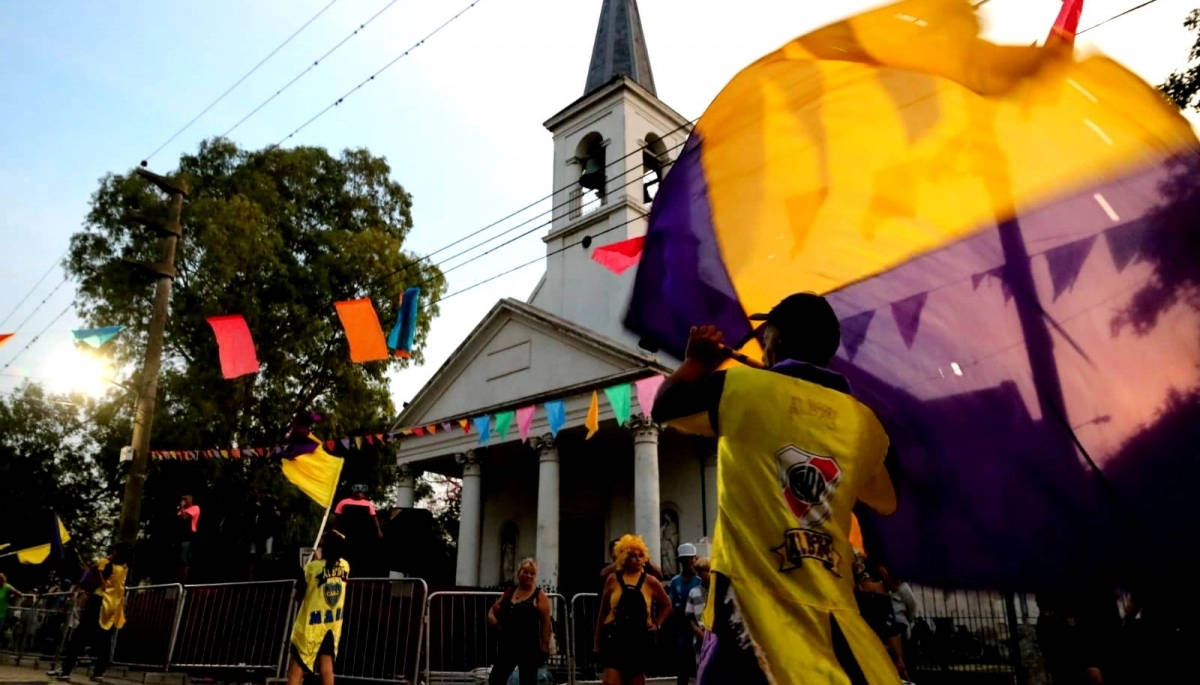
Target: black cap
column 808, row 325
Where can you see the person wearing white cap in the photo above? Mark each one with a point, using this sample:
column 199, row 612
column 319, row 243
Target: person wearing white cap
column 679, row 588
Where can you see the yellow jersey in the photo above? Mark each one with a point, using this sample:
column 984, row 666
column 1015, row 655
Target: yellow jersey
column 321, row 611
column 793, row 458
column 112, row 595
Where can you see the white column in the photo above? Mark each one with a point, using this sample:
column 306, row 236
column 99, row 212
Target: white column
column 710, row 491
column 406, row 486
column 647, row 514
column 547, row 510
column 471, row 518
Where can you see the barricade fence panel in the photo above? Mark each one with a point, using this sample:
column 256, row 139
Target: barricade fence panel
column 152, row 615
column 382, row 629
column 234, row 625
column 460, row 644
column 663, row 657
column 40, row 625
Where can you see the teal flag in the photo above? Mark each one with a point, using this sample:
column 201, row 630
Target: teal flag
column 619, row 397
column 96, row 337
column 503, row 420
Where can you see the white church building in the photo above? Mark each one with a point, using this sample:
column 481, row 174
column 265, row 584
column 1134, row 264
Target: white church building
column 562, row 499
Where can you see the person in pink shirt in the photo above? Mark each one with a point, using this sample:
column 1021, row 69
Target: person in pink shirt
column 189, row 519
column 355, row 518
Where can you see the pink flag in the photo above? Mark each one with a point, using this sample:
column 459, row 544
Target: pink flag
column 618, row 257
column 235, row 344
column 524, row 421
column 647, row 388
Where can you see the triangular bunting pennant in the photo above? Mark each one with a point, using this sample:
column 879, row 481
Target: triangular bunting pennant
column 418, row 430
column 618, row 257
column 854, row 331
column 431, row 428
column 5, row 337
column 379, row 437
column 447, row 426
column 593, row 416
column 525, row 421
column 406, row 431
column 370, row 439
column 346, row 443
column 224, row 454
column 483, row 428
column 1125, row 242
column 907, row 313
column 647, row 390
column 465, row 425
column 357, row 442
column 503, row 421
column 96, row 337
column 1066, row 261
column 976, row 279
column 329, row 445
column 556, row 416
column 619, row 398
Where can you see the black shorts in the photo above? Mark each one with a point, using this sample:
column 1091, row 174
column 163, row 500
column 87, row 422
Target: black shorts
column 625, row 651
column 326, row 649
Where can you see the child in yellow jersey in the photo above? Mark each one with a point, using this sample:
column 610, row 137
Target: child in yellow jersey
column 795, row 453
column 318, row 626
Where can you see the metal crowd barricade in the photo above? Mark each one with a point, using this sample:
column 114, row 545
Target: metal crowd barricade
column 660, row 662
column 459, row 645
column 234, row 626
column 42, row 624
column 152, row 614
column 561, row 665
column 382, row 630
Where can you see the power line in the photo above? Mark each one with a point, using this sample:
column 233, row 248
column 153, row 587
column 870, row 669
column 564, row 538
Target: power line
column 237, row 83
column 39, row 334
column 310, row 67
column 30, row 292
column 39, row 305
column 1116, row 16
column 370, row 78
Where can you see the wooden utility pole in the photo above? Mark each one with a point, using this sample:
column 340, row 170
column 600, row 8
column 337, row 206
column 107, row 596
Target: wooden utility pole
column 163, row 271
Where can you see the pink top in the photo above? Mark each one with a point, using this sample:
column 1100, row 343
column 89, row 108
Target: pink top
column 194, row 512
column 351, row 502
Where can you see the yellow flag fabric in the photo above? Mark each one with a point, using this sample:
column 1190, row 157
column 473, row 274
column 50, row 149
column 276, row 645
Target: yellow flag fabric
column 593, row 416
column 316, row 474
column 39, row 554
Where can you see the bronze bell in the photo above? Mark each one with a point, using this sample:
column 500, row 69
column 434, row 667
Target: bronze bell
column 593, row 175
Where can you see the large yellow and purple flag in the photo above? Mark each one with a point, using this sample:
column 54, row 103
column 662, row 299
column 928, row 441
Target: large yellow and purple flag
column 1008, row 235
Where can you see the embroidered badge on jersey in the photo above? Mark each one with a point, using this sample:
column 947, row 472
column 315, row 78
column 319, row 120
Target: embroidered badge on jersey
column 807, row 481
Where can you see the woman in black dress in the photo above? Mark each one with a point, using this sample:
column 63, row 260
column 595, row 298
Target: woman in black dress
column 523, row 618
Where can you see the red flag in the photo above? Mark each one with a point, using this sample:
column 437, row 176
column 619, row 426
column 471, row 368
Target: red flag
column 236, row 345
column 370, row 439
column 329, row 445
column 618, row 257
column 5, row 337
column 417, row 430
column 1067, row 23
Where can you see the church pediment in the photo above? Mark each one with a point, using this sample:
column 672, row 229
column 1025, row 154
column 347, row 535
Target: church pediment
column 518, row 355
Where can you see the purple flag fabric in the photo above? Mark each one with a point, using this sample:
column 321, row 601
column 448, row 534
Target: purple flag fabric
column 854, row 332
column 1124, row 242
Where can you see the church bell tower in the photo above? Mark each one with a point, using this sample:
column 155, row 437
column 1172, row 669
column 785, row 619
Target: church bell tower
column 611, row 148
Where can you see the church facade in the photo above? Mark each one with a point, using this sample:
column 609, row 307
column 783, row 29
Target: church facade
column 561, row 499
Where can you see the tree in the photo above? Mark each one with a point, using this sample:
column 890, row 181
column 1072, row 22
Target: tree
column 55, row 458
column 276, row 235
column 1182, row 87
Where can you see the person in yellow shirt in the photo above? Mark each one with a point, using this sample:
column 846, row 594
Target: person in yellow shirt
column 795, row 453
column 103, row 615
column 321, row 591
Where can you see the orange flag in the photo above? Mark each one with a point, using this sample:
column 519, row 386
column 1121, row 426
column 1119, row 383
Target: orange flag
column 593, row 416
column 5, row 337
column 362, row 330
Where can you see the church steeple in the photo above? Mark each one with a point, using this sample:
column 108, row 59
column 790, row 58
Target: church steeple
column 620, row 48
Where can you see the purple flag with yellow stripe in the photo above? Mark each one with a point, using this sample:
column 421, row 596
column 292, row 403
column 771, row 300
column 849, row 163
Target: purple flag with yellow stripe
column 1008, row 235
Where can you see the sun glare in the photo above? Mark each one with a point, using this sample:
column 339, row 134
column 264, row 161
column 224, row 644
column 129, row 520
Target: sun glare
column 72, row 370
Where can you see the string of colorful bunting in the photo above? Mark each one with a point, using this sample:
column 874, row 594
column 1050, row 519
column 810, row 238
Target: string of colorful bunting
column 620, row 399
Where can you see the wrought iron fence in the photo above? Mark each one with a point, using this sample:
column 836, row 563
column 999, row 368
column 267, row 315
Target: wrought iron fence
column 967, row 631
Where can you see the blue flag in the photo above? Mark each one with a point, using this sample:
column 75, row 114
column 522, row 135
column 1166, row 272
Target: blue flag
column 404, row 333
column 96, row 337
column 556, row 416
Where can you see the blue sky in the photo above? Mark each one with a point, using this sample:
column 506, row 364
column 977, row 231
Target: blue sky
column 87, row 88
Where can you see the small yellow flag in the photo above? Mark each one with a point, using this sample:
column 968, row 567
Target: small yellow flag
column 357, row 442
column 593, row 417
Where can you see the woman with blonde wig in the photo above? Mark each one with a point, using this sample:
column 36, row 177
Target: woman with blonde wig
column 626, row 619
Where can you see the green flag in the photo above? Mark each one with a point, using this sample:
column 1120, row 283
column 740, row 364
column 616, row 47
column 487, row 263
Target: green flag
column 619, row 399
column 503, row 420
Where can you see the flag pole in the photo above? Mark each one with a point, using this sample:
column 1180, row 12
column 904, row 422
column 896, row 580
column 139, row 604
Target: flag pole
column 328, row 508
